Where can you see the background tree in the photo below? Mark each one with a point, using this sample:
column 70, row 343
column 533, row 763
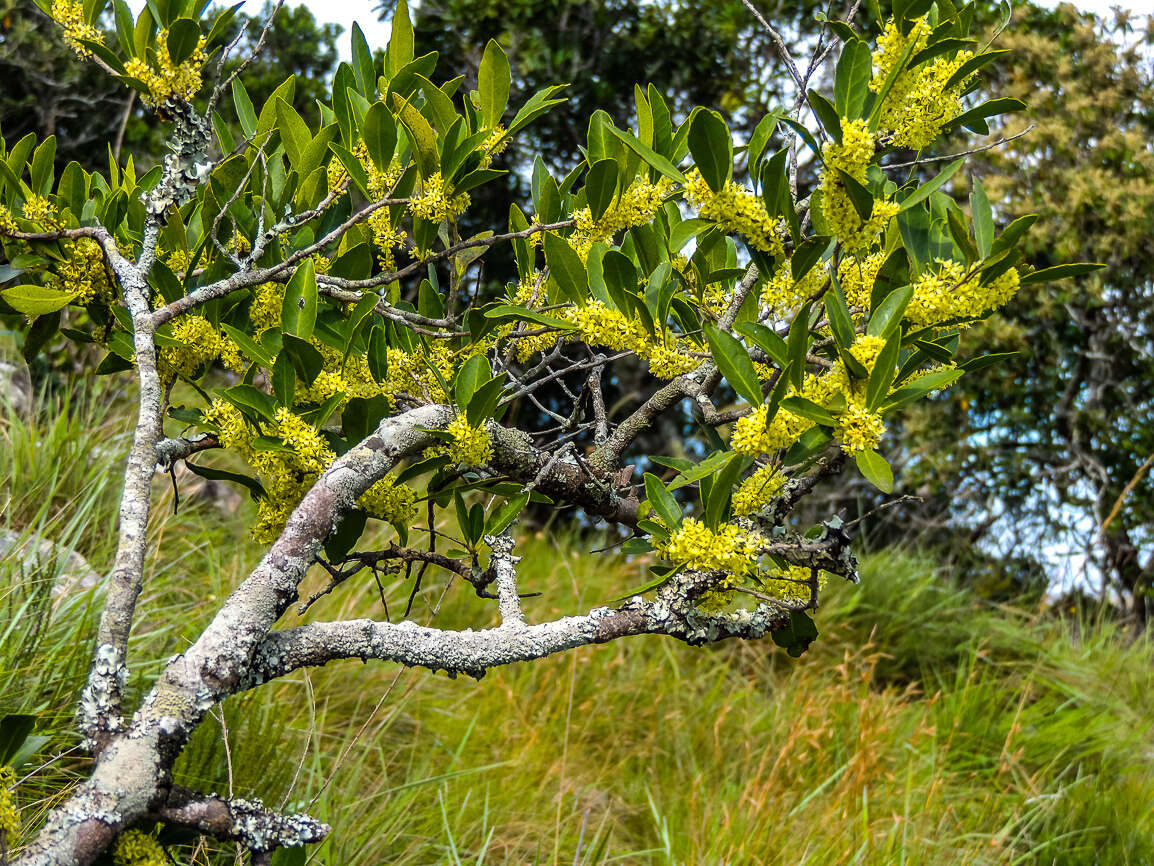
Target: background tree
column 1056, row 438
column 284, row 274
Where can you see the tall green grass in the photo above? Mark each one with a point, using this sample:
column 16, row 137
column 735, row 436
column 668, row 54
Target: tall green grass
column 923, row 727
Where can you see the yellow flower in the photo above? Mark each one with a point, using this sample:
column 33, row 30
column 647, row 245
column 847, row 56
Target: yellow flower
column 852, row 156
column 471, row 446
column 950, row 290
column 757, row 491
column 38, row 209
column 135, row 848
column 698, row 548
column 386, row 500
column 69, row 14
column 857, row 278
column 202, row 344
column 433, row 205
column 859, row 429
column 9, row 816
column 180, row 81
column 782, row 295
column 736, row 210
column 493, row 146
column 918, row 104
column 634, row 207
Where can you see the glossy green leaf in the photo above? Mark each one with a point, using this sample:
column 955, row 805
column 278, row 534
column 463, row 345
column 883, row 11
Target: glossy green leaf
column 839, row 318
column 33, row 300
column 493, row 80
column 808, row 409
column 284, row 379
column 882, row 374
column 299, row 308
column 601, row 186
column 183, row 35
column 927, row 189
column 983, row 218
column 566, row 268
column 888, row 315
column 1061, row 272
column 472, row 374
column 734, row 363
column 851, row 79
column 506, row 514
column 765, row 339
column 662, row 501
column 798, row 345
column 650, row 156
column 875, row 470
column 721, row 491
column 379, row 132
column 712, row 148
column 826, row 114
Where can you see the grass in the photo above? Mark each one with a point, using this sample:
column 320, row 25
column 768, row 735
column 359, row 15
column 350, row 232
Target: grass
column 922, row 728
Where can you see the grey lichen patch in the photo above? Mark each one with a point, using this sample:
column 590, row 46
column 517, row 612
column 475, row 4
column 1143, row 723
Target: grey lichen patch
column 264, row 830
column 100, row 701
column 186, row 166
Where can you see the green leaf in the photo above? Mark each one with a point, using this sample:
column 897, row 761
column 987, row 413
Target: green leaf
column 875, row 470
column 601, row 186
column 662, row 501
column 251, row 401
column 798, row 345
column 983, row 219
column 294, row 132
column 942, row 46
column 808, row 409
column 765, row 339
column 483, row 404
column 887, row 317
column 826, row 114
column 401, row 39
column 566, row 268
column 712, row 148
column 796, row 637
column 651, row 157
column 1013, row 233
column 183, row 34
column 859, row 196
column 882, row 375
column 254, row 487
column 924, row 385
column 506, row 514
column 493, row 80
column 284, row 379
column 32, row 300
column 926, row 190
column 421, row 136
column 975, row 118
column 971, row 65
column 983, row 361
column 721, row 491
column 851, row 79
column 245, row 112
column 839, row 318
column 306, row 359
column 353, row 166
column 472, row 374
column 1061, row 272
column 248, row 345
column 378, row 354
column 379, row 132
column 512, row 311
column 734, row 363
column 299, row 309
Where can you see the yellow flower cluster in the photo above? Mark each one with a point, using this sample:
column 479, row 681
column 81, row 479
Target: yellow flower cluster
column 433, row 205
column 636, row 206
column 859, row 429
column 178, row 261
column 202, row 344
column 69, row 14
column 7, row 223
column 135, row 848
column 736, row 210
column 84, row 273
column 782, row 295
column 312, row 452
column 919, row 103
column 783, row 583
column 167, row 80
column 753, row 436
column 286, row 475
column 9, row 817
column 757, row 491
column 387, row 238
column 493, row 146
column 951, row 291
column 698, row 548
column 40, row 210
column 857, row 278
column 852, row 156
column 386, row 500
column 471, row 446
column 601, row 326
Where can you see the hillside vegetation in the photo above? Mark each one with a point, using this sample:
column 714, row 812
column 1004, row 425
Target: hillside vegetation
column 922, row 727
